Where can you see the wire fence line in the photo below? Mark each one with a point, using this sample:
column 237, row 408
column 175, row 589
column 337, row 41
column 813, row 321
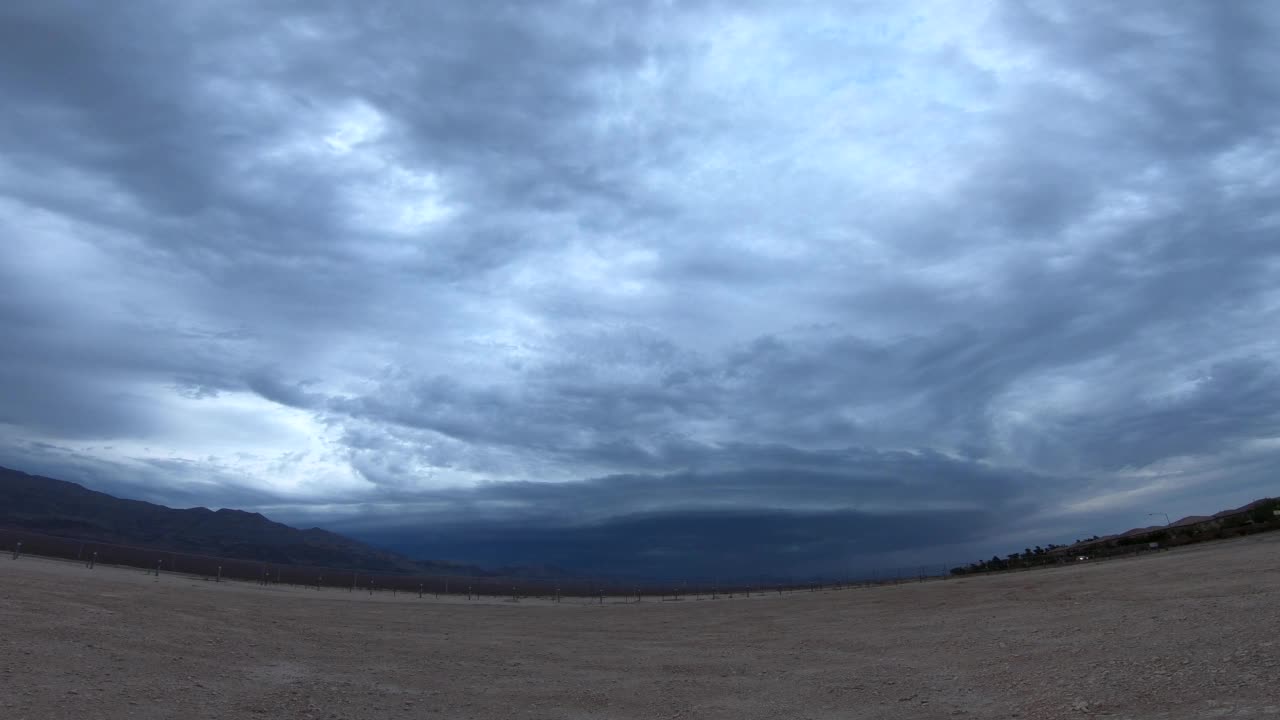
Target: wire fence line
column 597, row 589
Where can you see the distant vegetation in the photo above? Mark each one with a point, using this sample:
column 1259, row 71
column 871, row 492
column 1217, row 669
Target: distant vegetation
column 1258, row 516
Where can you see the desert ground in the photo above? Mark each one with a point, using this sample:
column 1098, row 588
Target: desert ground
column 1191, row 633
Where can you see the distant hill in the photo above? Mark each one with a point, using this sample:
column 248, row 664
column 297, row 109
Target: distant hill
column 1258, row 516
column 1191, row 521
column 57, row 507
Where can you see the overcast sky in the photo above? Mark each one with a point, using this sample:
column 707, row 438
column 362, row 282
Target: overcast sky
column 852, row 280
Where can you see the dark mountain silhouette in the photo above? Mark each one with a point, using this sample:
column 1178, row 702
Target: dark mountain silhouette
column 57, row 507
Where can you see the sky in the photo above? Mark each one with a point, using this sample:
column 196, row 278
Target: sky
column 669, row 288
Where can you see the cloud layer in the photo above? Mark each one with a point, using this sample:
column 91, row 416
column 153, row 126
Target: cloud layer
column 529, row 272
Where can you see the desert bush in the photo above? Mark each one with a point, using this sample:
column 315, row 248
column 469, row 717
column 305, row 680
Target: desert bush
column 1265, row 513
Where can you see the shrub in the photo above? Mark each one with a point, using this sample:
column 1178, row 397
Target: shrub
column 1265, row 512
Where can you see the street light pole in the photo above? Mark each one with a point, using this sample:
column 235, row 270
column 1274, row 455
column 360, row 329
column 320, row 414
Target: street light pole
column 1167, row 525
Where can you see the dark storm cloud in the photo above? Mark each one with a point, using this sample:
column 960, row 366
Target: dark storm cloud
column 173, row 482
column 728, row 546
column 1014, row 266
column 1232, row 400
column 782, row 477
column 798, row 513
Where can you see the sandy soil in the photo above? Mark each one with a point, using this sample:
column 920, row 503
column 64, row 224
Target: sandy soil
column 1193, row 633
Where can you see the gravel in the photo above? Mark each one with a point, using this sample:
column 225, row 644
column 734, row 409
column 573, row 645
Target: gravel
column 1190, row 633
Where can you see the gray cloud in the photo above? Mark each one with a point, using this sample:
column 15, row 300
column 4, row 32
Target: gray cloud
column 1018, row 263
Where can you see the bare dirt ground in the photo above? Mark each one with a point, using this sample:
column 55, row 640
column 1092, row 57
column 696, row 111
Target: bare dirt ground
column 1193, row 633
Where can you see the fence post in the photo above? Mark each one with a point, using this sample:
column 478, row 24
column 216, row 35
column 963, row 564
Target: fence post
column 419, row 590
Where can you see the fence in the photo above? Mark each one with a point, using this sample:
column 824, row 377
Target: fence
column 218, row 569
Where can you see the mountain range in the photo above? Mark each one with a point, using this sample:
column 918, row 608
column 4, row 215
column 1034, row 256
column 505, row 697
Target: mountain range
column 65, row 509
